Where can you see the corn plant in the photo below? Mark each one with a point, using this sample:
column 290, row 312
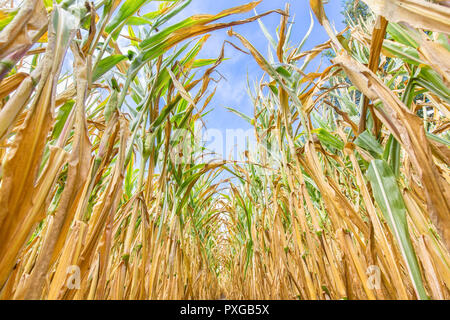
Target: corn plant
column 354, row 202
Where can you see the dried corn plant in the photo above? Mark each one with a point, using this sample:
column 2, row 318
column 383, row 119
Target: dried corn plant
column 346, row 195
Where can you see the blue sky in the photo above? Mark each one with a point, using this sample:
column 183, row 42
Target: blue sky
column 231, row 92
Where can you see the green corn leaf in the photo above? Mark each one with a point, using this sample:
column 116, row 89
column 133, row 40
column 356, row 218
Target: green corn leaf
column 368, row 142
column 438, row 139
column 398, row 50
column 401, row 35
column 328, row 139
column 203, row 62
column 127, row 9
column 266, row 33
column 63, row 114
column 432, row 81
column 390, row 201
column 240, row 114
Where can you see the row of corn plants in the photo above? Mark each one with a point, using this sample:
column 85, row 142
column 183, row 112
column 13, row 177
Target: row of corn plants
column 345, row 196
